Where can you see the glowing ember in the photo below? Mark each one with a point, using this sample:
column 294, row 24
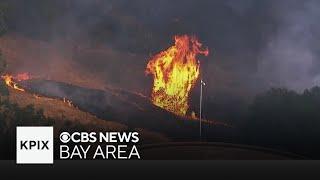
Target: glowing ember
column 175, row 72
column 193, row 115
column 69, row 102
column 10, row 80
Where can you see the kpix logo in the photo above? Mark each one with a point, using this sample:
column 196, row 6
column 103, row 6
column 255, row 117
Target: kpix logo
column 35, row 145
column 29, row 145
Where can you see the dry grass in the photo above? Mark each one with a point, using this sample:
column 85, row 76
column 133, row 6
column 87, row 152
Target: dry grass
column 57, row 109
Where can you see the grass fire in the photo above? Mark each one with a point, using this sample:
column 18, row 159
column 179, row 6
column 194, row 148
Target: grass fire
column 175, row 72
column 10, row 80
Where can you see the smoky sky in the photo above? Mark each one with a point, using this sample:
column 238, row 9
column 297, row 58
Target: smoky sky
column 254, row 44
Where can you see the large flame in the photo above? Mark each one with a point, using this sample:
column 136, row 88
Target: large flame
column 175, row 72
column 10, row 80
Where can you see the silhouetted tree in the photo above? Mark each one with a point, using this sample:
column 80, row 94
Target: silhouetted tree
column 286, row 120
column 3, row 11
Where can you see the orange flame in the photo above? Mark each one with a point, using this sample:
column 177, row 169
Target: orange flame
column 175, row 72
column 193, row 115
column 10, row 80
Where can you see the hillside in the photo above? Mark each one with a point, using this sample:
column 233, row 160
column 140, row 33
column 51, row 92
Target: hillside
column 60, row 110
column 67, row 116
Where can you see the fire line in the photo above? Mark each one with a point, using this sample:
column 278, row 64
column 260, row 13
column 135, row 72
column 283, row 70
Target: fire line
column 10, row 80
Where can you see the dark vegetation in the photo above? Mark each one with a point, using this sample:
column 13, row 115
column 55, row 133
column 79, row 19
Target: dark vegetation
column 285, row 120
column 278, row 118
column 3, row 18
column 11, row 116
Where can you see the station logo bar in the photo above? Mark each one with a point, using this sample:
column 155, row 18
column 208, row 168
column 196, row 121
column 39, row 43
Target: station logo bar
column 34, row 145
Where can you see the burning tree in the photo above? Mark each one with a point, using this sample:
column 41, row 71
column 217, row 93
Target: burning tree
column 175, row 72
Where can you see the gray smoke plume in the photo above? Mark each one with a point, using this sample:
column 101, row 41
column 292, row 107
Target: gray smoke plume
column 291, row 56
column 254, row 45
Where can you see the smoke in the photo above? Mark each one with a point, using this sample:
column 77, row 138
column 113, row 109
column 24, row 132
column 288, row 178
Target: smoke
column 254, row 45
column 290, row 58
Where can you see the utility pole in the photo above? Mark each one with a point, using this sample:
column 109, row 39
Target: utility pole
column 202, row 83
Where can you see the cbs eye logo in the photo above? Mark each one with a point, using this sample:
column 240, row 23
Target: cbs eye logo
column 65, row 137
column 78, row 137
